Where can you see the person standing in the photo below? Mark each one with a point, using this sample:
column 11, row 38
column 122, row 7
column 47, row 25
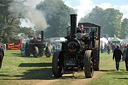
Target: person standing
column 1, row 55
column 54, row 47
column 108, row 48
column 125, row 53
column 113, row 47
column 117, row 56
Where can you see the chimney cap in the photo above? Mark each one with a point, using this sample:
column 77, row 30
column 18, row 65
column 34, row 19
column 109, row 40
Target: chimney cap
column 74, row 14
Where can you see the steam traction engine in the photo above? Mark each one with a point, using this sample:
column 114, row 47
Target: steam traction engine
column 78, row 52
column 36, row 47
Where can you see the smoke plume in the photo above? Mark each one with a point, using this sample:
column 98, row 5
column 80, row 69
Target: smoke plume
column 26, row 9
column 83, row 7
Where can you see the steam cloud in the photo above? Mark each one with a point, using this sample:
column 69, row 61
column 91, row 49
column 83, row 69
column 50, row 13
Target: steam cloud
column 83, row 7
column 25, row 8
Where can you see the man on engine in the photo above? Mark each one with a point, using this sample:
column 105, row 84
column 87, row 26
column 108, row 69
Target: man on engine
column 83, row 31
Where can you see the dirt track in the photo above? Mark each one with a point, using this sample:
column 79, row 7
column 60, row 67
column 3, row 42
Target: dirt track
column 77, row 79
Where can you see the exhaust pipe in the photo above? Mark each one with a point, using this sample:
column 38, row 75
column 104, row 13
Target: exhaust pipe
column 42, row 36
column 73, row 24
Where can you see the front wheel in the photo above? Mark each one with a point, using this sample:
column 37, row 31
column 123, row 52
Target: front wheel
column 27, row 52
column 56, row 68
column 48, row 52
column 88, row 64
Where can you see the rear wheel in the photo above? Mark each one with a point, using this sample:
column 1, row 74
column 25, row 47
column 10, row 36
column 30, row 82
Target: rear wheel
column 96, row 56
column 88, row 64
column 56, row 68
column 36, row 52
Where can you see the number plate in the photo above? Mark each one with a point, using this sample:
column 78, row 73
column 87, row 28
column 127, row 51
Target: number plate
column 69, row 63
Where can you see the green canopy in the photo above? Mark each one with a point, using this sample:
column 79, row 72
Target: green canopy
column 115, row 40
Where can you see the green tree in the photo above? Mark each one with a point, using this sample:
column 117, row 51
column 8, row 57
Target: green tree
column 9, row 25
column 6, row 17
column 112, row 22
column 57, row 16
column 95, row 16
column 124, row 28
column 7, row 33
column 27, row 31
column 109, row 20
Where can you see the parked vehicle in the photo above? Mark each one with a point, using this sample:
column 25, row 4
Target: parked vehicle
column 15, row 44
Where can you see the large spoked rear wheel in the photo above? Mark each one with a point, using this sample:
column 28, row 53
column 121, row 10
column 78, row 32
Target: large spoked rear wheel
column 88, row 64
column 56, row 68
column 36, row 52
column 96, row 56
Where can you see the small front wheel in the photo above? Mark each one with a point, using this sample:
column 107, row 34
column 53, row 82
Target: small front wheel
column 36, row 52
column 48, row 52
column 56, row 68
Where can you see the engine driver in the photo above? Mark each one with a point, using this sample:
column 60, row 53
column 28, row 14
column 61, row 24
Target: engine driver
column 83, row 31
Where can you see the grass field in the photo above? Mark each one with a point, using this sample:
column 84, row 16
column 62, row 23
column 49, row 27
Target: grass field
column 17, row 69
column 20, row 70
column 111, row 76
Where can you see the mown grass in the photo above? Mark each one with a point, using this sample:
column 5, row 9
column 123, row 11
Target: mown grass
column 106, row 76
column 20, row 70
column 110, row 76
column 17, row 69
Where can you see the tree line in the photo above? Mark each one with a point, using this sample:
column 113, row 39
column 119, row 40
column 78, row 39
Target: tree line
column 57, row 15
column 111, row 21
column 10, row 25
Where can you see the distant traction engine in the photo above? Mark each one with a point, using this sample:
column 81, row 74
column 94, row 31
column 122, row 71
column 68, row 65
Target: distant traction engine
column 36, row 47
